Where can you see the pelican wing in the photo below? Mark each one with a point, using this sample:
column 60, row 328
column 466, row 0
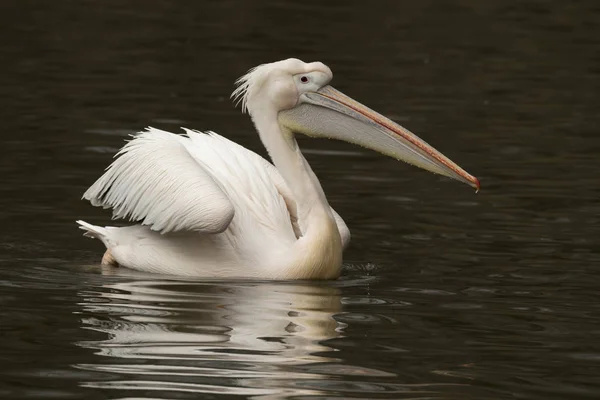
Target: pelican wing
column 156, row 181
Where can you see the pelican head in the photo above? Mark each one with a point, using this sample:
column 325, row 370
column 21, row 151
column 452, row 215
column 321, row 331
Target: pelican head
column 304, row 101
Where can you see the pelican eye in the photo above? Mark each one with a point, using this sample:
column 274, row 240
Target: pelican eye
column 304, row 79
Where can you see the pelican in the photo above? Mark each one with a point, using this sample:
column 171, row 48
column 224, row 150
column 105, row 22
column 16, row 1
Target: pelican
column 205, row 206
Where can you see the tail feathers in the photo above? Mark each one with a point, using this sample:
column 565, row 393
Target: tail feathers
column 95, row 232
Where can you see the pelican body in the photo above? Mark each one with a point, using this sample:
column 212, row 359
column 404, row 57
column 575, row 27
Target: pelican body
column 206, row 207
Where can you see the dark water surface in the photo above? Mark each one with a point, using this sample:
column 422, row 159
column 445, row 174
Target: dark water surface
column 446, row 294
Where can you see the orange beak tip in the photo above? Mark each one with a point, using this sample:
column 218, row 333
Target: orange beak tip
column 477, row 185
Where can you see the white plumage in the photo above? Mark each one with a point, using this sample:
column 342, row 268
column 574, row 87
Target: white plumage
column 157, row 180
column 207, row 207
column 189, row 185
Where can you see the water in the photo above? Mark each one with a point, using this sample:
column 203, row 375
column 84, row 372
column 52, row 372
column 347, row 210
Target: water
column 446, row 294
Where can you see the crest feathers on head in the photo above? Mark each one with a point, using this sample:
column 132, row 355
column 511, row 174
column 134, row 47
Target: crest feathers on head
column 249, row 84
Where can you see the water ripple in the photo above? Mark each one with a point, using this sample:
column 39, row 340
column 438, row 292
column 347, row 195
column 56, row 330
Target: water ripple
column 245, row 339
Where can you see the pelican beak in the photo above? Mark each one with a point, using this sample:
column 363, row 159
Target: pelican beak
column 330, row 113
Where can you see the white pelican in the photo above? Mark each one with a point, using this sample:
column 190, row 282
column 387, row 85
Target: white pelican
column 208, row 207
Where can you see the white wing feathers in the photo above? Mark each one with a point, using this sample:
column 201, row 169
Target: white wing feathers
column 244, row 177
column 156, row 181
column 197, row 182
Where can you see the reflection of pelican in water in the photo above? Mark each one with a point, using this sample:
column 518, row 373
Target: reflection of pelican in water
column 247, row 339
